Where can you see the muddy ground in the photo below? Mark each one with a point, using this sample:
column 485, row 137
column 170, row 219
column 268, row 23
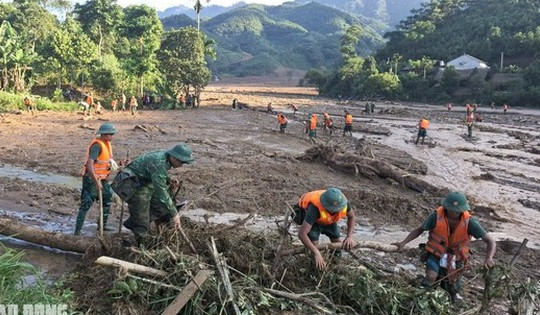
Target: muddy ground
column 242, row 165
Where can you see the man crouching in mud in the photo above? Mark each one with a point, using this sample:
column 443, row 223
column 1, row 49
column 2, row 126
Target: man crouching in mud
column 447, row 251
column 144, row 184
column 318, row 212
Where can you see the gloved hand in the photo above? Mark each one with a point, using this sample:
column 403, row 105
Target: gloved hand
column 114, row 166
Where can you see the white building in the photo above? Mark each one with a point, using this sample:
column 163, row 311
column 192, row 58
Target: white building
column 467, row 62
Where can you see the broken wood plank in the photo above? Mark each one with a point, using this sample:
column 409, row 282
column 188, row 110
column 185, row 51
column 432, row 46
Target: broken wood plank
column 136, row 268
column 193, row 286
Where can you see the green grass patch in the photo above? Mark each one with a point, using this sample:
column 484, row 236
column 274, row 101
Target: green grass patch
column 13, row 102
column 14, row 289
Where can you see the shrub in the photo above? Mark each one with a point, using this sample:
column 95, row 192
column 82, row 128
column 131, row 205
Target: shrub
column 13, row 102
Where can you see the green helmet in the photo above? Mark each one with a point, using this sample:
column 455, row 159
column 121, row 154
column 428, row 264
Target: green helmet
column 456, row 201
column 333, row 200
column 181, row 152
column 106, row 129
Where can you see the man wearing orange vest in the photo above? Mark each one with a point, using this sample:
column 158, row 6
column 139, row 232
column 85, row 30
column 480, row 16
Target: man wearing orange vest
column 282, row 121
column 312, row 127
column 447, row 251
column 422, row 129
column 348, row 123
column 97, row 167
column 30, row 105
column 318, row 212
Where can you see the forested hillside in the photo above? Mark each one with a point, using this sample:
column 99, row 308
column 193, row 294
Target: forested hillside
column 257, row 39
column 445, row 29
column 387, row 12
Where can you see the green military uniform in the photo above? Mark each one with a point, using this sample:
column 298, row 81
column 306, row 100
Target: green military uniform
column 152, row 200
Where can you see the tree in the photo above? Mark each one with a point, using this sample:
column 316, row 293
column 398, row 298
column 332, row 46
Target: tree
column 99, row 19
column 382, row 84
column 72, row 51
column 182, row 54
column 198, row 7
column 16, row 57
column 142, row 28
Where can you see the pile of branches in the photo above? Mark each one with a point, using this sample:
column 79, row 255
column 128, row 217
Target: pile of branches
column 363, row 162
column 247, row 279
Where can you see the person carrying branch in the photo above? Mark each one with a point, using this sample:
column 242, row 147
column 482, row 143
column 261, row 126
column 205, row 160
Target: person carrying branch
column 98, row 165
column 318, row 212
column 151, row 199
column 328, row 123
column 447, row 251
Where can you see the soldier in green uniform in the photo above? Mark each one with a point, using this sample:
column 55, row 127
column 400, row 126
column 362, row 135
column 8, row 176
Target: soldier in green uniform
column 152, row 200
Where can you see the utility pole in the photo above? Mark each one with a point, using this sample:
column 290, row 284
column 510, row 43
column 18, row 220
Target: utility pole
column 502, row 60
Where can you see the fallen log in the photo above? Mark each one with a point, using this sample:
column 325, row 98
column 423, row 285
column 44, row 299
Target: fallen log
column 130, row 267
column 356, row 164
column 325, row 246
column 12, row 228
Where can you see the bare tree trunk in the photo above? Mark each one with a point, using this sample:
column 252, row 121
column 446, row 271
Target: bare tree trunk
column 100, row 42
column 34, row 235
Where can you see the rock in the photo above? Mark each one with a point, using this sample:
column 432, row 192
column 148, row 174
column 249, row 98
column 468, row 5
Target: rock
column 34, row 203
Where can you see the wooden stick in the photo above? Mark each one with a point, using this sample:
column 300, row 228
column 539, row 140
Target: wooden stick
column 284, row 232
column 326, row 246
column 521, row 246
column 161, row 284
column 100, row 214
column 185, row 237
column 181, row 300
column 136, row 268
column 299, row 298
column 173, row 256
column 237, row 224
column 222, row 267
column 123, row 203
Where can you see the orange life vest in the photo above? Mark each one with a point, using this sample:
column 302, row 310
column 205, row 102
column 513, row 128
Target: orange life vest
column 89, row 100
column 102, row 166
column 348, row 119
column 294, row 107
column 313, row 122
column 440, row 240
column 27, row 102
column 424, row 123
column 113, row 103
column 325, row 217
column 281, row 119
column 505, row 106
column 470, row 118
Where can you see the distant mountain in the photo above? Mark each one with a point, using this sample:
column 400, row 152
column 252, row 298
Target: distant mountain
column 389, row 12
column 257, row 39
column 206, row 12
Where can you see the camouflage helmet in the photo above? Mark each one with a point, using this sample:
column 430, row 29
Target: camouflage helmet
column 106, row 129
column 456, row 201
column 181, row 152
column 333, row 200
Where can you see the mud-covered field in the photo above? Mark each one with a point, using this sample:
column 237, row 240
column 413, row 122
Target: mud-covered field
column 244, row 166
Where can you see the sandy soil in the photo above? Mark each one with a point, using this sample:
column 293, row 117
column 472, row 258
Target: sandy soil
column 243, row 166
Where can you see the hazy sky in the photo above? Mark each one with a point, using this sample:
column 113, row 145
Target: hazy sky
column 161, row 5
